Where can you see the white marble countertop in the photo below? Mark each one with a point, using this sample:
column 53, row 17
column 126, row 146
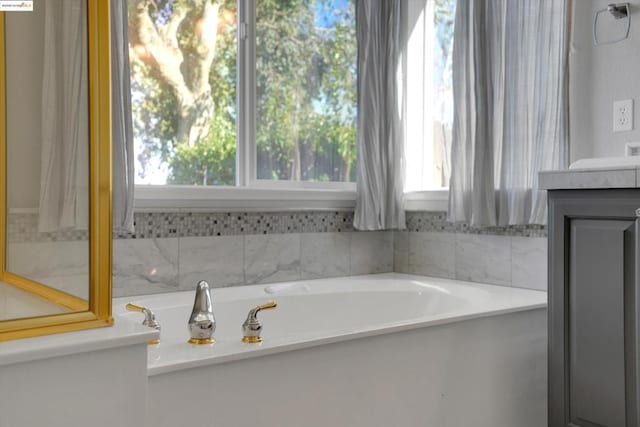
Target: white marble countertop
column 123, row 332
column 612, row 177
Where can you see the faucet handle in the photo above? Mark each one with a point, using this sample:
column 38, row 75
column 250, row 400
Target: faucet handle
column 252, row 327
column 134, row 307
column 266, row 306
column 149, row 318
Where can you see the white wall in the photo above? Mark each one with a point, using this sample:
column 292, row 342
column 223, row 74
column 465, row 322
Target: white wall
column 599, row 76
column 102, row 388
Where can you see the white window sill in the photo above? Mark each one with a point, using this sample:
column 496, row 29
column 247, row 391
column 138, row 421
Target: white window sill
column 162, row 198
column 151, row 197
column 431, row 200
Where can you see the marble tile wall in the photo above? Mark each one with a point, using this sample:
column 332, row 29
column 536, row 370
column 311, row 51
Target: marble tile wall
column 171, row 251
column 505, row 260
column 153, row 265
column 508, row 256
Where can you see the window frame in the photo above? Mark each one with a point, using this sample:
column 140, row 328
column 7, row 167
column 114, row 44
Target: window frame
column 249, row 192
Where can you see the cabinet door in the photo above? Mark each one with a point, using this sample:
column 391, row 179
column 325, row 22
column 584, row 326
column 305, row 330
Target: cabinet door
column 592, row 328
column 597, row 257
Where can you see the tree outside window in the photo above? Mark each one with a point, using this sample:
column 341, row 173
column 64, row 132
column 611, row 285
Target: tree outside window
column 185, row 77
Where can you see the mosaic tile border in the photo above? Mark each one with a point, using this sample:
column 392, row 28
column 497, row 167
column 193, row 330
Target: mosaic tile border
column 190, row 224
column 437, row 221
column 24, row 227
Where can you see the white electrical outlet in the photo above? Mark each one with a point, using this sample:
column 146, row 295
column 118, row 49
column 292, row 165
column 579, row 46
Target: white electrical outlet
column 632, row 149
column 623, row 115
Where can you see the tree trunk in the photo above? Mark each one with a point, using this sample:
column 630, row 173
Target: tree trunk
column 296, row 172
column 194, row 120
column 347, row 166
column 189, row 78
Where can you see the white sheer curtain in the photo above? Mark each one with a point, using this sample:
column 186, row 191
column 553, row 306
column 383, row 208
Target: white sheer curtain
column 122, row 126
column 510, row 80
column 380, row 104
column 64, row 186
column 64, row 179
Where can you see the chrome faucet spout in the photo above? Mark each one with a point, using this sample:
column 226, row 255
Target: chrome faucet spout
column 202, row 323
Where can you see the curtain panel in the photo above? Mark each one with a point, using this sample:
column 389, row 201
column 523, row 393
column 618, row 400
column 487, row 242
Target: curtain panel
column 380, row 174
column 64, row 183
column 510, row 84
column 64, row 177
column 122, row 120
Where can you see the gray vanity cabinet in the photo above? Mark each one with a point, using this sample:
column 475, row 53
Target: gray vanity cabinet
column 593, row 300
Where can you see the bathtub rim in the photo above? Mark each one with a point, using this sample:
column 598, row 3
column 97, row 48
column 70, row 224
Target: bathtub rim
column 539, row 302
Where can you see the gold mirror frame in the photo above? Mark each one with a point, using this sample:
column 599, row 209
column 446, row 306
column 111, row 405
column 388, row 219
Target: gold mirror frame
column 99, row 306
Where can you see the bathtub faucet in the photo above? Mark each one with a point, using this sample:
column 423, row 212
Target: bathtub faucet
column 252, row 327
column 202, row 323
column 149, row 318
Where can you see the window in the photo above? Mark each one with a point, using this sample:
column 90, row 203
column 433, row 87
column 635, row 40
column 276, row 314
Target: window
column 429, row 94
column 306, row 90
column 293, row 63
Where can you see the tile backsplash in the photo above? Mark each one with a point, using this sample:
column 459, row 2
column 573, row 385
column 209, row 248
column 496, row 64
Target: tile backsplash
column 496, row 259
column 436, row 221
column 230, row 249
column 508, row 256
column 152, row 265
column 199, row 224
column 23, row 227
column 171, row 251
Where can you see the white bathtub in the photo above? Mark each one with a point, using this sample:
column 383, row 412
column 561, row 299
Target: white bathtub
column 379, row 350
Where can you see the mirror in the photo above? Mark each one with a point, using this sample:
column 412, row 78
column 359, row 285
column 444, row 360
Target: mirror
column 47, row 148
column 55, row 150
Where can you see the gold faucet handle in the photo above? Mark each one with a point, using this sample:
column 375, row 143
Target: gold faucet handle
column 149, row 318
column 266, row 306
column 133, row 307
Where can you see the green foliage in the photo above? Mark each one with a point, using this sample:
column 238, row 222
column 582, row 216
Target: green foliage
column 210, row 162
